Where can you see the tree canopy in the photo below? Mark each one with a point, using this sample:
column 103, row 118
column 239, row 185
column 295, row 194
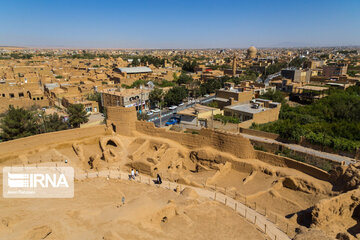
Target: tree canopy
column 175, row 96
column 184, row 79
column 156, row 95
column 333, row 121
column 77, row 115
column 189, row 66
column 19, row 122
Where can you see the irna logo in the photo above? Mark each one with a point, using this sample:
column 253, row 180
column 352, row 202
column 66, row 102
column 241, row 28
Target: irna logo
column 16, row 180
column 41, row 182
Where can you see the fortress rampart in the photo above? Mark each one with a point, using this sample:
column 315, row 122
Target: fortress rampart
column 123, row 122
column 18, row 146
column 220, row 140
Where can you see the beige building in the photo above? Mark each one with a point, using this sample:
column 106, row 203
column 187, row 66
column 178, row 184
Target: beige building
column 21, row 96
column 257, row 111
column 198, row 115
column 231, row 95
column 125, row 97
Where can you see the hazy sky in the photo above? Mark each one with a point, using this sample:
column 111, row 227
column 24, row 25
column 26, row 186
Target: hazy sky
column 179, row 23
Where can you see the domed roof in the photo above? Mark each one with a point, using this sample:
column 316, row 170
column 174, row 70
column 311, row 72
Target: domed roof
column 252, row 49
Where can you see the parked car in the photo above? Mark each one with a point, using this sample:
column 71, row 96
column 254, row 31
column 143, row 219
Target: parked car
column 156, row 110
column 206, row 95
column 181, row 104
column 172, row 121
column 172, row 107
column 150, row 113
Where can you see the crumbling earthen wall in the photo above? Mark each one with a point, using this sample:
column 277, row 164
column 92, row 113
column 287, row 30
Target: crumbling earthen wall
column 222, row 141
column 338, row 214
column 280, row 161
column 15, row 147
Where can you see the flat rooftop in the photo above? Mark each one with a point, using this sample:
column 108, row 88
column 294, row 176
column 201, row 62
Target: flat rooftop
column 313, row 88
column 247, row 108
column 125, row 92
column 197, row 107
column 130, row 70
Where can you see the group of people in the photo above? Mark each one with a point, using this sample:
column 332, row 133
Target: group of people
column 135, row 173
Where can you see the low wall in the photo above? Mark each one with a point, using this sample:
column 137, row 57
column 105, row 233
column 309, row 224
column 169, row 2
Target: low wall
column 220, row 140
column 267, row 146
column 15, row 147
column 230, row 127
column 290, row 163
column 259, row 133
column 320, row 162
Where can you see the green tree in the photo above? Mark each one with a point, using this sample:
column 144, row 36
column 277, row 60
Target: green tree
column 175, row 96
column 54, row 122
column 275, row 96
column 184, row 79
column 77, row 115
column 298, row 62
column 18, row 123
column 274, row 68
column 211, row 85
column 214, row 105
column 156, row 96
column 189, row 66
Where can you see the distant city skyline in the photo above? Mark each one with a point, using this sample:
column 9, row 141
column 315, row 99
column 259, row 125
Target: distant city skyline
column 170, row 24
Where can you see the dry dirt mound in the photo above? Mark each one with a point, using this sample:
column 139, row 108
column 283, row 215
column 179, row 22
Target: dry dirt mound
column 338, row 214
column 346, row 178
column 313, row 234
column 189, row 193
column 302, row 185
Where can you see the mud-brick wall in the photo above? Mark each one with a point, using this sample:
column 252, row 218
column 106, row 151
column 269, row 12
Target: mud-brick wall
column 290, row 163
column 222, row 141
column 15, row 147
column 121, row 120
column 320, row 162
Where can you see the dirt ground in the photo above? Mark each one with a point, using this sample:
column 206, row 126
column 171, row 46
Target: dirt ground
column 97, row 212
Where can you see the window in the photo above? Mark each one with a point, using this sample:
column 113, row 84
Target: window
column 12, row 95
column 37, row 98
column 21, row 94
column 42, row 98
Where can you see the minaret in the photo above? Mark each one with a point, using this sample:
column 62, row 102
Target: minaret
column 234, row 66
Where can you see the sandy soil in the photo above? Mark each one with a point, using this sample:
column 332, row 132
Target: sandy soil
column 96, row 212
